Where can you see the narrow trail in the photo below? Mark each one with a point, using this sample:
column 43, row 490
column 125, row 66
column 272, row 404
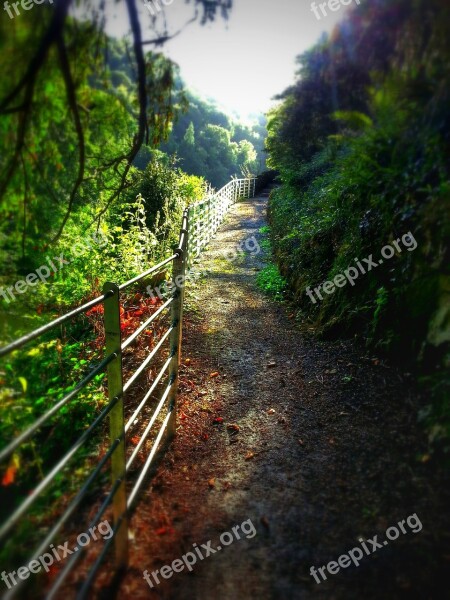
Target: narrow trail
column 325, row 451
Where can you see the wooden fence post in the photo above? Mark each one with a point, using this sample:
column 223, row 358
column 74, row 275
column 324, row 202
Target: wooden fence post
column 116, row 419
column 179, row 282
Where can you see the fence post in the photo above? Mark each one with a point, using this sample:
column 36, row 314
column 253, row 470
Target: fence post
column 116, row 419
column 191, row 219
column 208, row 221
column 179, row 282
column 200, row 229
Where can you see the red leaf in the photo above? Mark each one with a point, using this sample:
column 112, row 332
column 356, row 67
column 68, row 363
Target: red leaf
column 9, row 476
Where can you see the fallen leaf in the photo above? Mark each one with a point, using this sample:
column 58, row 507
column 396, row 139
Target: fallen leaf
column 265, row 521
column 233, row 427
column 161, row 531
column 215, row 374
column 249, row 455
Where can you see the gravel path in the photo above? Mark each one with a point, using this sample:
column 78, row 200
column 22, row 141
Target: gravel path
column 315, row 442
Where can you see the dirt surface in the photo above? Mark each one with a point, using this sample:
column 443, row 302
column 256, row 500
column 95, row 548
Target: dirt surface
column 315, row 442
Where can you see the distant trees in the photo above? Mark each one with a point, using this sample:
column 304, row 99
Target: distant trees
column 210, row 144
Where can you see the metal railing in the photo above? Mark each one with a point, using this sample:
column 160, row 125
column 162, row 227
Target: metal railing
column 200, row 222
column 206, row 215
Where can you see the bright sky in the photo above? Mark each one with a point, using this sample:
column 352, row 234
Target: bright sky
column 245, row 61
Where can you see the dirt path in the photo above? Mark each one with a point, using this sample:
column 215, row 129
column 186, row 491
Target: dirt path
column 315, row 443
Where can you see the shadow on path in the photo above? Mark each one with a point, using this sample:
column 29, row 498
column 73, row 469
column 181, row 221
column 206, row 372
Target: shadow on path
column 316, row 443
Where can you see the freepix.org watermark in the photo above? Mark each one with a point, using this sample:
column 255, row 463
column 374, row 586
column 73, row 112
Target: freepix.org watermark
column 52, row 266
column 351, row 274
column 332, row 5
column 46, row 560
column 355, row 555
column 13, row 10
column 154, row 6
column 188, row 560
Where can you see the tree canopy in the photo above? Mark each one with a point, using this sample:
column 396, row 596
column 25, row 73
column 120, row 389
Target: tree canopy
column 70, row 118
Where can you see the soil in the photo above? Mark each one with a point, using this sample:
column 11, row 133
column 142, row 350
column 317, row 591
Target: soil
column 314, row 444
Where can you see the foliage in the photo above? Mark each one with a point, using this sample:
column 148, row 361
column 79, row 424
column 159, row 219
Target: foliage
column 271, row 282
column 269, row 278
column 362, row 165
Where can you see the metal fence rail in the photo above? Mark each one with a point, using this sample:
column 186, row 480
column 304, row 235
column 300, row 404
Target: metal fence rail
column 199, row 224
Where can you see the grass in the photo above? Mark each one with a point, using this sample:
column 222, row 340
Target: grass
column 270, row 281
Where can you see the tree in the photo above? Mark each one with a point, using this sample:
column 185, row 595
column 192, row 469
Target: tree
column 49, row 64
column 246, row 157
column 189, row 136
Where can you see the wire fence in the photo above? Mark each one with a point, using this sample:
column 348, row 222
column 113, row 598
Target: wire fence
column 199, row 224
